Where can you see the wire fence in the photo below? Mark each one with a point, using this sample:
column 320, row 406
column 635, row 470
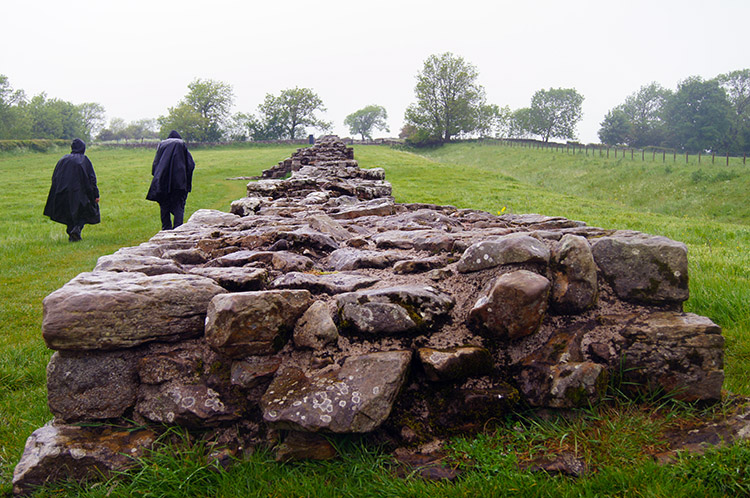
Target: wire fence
column 651, row 154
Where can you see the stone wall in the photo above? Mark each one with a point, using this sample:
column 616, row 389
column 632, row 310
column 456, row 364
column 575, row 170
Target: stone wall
column 319, row 305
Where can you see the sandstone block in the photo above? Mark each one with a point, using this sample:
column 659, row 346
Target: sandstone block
column 644, row 268
column 455, row 363
column 252, row 323
column 575, row 286
column 315, row 329
column 513, row 248
column 112, row 310
column 514, row 307
column 356, row 399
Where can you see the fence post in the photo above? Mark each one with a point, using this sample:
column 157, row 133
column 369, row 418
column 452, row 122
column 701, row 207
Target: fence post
column 631, row 154
column 643, row 154
column 686, row 158
column 713, row 157
column 699, row 157
column 727, row 158
column 664, row 156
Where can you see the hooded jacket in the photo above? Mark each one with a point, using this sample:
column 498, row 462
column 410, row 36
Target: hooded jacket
column 172, row 169
column 73, row 193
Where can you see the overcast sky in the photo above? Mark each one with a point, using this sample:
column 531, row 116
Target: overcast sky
column 137, row 57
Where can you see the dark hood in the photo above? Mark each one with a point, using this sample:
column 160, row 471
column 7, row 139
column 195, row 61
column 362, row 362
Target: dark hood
column 174, row 134
column 78, row 146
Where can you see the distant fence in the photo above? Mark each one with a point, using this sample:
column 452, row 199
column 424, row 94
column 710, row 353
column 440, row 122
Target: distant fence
column 651, row 154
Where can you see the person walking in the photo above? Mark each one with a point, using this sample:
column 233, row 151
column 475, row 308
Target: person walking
column 73, row 198
column 173, row 179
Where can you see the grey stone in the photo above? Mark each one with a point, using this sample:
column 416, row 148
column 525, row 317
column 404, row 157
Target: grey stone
column 563, row 385
column 190, row 405
column 644, row 268
column 252, row 370
column 246, row 206
column 330, row 283
column 356, row 399
column 324, row 223
column 514, row 307
column 455, row 363
column 315, row 329
column 150, row 265
column 393, row 310
column 235, row 279
column 304, row 446
column 353, row 259
column 56, row 452
column 252, row 323
column 575, row 287
column 514, row 248
column 91, row 385
column 112, row 310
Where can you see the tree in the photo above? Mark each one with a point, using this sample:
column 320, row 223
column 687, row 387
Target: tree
column 200, row 116
column 555, row 113
column 737, row 86
column 92, row 116
column 616, row 128
column 189, row 123
column 365, row 119
column 287, row 115
column 519, row 123
column 493, row 121
column 698, row 115
column 53, row 118
column 645, row 109
column 448, row 98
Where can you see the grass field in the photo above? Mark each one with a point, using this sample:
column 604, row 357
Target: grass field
column 700, row 205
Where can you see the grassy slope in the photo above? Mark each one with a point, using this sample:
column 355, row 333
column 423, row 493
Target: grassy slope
column 37, row 259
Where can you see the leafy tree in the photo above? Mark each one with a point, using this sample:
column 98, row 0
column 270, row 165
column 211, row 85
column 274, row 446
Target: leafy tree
column 616, row 129
column 201, row 114
column 645, row 109
column 12, row 120
column 189, row 123
column 92, row 116
column 365, row 119
column 737, row 86
column 448, row 98
column 519, row 123
column 53, row 118
column 493, row 121
column 287, row 115
column 555, row 113
column 698, row 115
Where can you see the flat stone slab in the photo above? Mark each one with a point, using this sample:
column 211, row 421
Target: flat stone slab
column 113, row 310
column 514, row 248
column 356, row 399
column 330, row 283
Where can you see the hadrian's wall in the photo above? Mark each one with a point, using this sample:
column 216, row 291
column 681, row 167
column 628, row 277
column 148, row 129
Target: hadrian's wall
column 321, row 306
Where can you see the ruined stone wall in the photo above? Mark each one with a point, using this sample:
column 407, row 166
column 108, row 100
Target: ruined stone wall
column 319, row 305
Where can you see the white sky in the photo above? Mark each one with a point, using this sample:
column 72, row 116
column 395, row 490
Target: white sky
column 137, row 57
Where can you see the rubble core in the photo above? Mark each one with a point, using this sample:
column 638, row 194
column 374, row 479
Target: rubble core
column 320, row 305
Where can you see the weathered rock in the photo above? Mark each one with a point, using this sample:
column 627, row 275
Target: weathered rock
column 563, row 385
column 575, row 286
column 393, row 310
column 162, row 363
column 91, row 385
column 315, row 329
column 112, row 310
column 419, row 265
column 150, row 265
column 329, row 283
column 455, row 363
column 304, row 446
column 253, row 370
column 252, row 323
column 356, row 399
column 211, row 217
column 235, row 279
column 57, row 452
column 378, row 207
column 680, row 354
column 514, row 248
column 324, row 223
column 190, row 405
column 192, row 256
column 246, row 206
column 353, row 259
column 277, row 260
column 644, row 268
column 514, row 306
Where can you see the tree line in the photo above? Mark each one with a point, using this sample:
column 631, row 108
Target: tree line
column 449, row 104
column 700, row 115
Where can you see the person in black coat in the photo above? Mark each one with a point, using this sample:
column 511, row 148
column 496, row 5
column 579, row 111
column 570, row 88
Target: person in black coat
column 73, row 198
column 173, row 179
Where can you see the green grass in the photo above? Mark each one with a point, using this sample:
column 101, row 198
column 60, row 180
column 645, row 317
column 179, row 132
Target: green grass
column 702, row 206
